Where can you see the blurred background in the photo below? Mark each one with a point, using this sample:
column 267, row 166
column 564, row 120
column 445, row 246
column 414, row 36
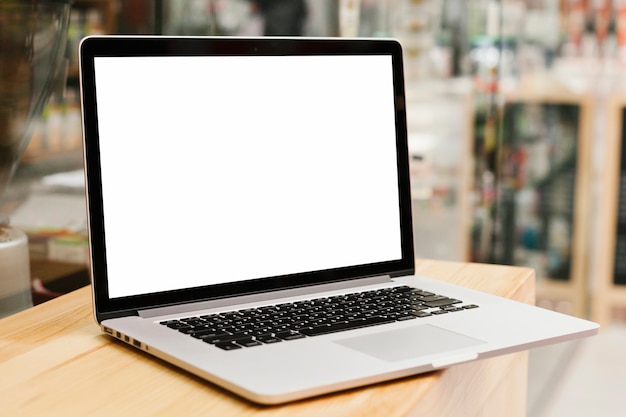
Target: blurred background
column 515, row 121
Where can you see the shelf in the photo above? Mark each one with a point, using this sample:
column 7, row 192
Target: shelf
column 607, row 294
column 540, row 214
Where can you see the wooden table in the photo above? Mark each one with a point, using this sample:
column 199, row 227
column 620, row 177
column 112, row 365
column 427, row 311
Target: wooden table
column 54, row 361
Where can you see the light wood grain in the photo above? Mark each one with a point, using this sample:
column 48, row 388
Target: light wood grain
column 606, row 295
column 55, row 361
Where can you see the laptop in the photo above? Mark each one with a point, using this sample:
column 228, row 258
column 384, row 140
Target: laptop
column 249, row 216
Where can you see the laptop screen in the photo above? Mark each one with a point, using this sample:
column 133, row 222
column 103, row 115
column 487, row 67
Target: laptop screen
column 221, row 169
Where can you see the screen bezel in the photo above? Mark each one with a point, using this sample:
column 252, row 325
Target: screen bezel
column 122, row 46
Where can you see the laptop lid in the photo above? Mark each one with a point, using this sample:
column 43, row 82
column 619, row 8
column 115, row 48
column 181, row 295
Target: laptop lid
column 218, row 167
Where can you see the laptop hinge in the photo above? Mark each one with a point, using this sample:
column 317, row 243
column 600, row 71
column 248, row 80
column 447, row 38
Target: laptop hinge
column 255, row 298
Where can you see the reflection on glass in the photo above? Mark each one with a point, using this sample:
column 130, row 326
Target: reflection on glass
column 32, row 42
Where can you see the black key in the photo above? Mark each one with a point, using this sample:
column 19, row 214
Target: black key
column 420, row 293
column 387, row 303
column 187, row 330
column 194, row 322
column 467, row 307
column 175, row 324
column 341, row 326
column 248, row 342
column 421, row 314
column 441, row 302
column 289, row 335
column 301, row 318
column 434, row 297
column 225, row 338
column 231, row 315
column 261, row 331
column 228, row 329
column 209, row 333
column 283, row 321
column 279, row 329
column 228, row 346
column 250, row 327
column 268, row 339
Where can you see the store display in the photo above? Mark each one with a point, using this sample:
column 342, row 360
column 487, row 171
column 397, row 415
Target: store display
column 484, row 164
column 540, row 195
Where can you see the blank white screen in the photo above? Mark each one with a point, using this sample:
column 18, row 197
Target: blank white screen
column 219, row 169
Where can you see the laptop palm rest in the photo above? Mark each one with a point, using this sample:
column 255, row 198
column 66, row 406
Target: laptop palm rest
column 410, row 342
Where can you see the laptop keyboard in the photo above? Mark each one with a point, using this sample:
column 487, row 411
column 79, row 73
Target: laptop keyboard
column 290, row 321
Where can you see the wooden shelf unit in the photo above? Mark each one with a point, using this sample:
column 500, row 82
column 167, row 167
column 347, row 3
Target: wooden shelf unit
column 570, row 296
column 606, row 294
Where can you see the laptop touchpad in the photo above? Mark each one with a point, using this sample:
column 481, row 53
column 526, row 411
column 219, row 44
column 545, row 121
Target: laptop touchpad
column 412, row 342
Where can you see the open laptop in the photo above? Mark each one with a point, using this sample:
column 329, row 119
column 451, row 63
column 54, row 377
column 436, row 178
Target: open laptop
column 250, row 218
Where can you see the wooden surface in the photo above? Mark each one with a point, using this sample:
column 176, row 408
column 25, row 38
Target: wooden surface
column 55, row 361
